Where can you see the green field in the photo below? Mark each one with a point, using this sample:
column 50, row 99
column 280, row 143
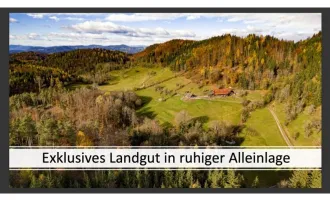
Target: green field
column 266, row 131
column 165, row 107
column 128, row 79
column 297, row 125
column 209, row 110
column 165, row 111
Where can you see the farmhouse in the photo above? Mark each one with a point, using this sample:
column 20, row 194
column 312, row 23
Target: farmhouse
column 223, row 92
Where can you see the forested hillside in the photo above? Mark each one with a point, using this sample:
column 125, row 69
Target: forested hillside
column 164, row 53
column 28, row 57
column 31, row 71
column 253, row 62
column 32, row 78
column 84, row 60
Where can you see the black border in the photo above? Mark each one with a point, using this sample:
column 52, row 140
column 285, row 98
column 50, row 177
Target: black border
column 4, row 88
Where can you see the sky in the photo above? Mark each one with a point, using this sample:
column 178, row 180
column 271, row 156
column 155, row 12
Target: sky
column 134, row 29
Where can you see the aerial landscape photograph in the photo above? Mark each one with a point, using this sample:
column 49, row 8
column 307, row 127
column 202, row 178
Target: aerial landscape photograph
column 165, row 79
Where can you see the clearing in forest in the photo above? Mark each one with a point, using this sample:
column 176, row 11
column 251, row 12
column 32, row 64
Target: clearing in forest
column 164, row 107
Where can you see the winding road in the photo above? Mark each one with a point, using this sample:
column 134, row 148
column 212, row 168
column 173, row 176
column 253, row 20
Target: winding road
column 285, row 137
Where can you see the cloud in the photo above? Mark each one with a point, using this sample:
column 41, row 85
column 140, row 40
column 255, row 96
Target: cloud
column 29, row 36
column 292, row 35
column 36, row 15
column 12, row 20
column 67, row 16
column 77, row 36
column 277, row 20
column 74, row 18
column 253, row 29
column 96, row 27
column 99, row 27
column 299, row 21
column 82, row 38
column 137, row 17
column 54, row 18
column 293, row 20
column 143, row 17
column 60, row 38
column 42, row 15
column 116, row 28
column 193, row 17
column 33, row 36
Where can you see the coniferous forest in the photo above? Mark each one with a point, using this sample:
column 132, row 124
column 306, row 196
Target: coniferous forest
column 59, row 99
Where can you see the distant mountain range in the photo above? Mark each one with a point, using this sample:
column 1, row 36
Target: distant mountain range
column 55, row 49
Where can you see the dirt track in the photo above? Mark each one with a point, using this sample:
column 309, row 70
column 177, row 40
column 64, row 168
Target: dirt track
column 285, row 137
column 209, row 99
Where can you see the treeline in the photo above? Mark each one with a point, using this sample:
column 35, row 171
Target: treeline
column 84, row 60
column 164, row 53
column 75, row 62
column 27, row 57
column 32, row 71
column 127, row 179
column 26, row 77
column 158, row 179
column 253, row 62
column 59, row 117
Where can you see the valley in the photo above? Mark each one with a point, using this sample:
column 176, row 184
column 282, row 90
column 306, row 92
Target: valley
column 209, row 109
column 221, row 91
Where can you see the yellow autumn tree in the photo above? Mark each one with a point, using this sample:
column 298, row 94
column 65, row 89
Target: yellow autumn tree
column 262, row 61
column 203, row 71
column 83, row 139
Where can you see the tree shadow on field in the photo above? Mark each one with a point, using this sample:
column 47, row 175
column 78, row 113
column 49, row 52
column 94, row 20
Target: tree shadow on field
column 239, row 141
column 236, row 130
column 202, row 119
column 167, row 125
column 145, row 100
column 146, row 111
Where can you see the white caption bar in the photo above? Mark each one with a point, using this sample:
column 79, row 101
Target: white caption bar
column 172, row 158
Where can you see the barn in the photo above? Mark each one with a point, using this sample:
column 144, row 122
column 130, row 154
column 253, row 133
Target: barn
column 223, row 92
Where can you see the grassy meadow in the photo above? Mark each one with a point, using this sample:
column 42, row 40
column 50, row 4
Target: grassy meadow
column 165, row 111
column 297, row 125
column 261, row 122
column 261, row 130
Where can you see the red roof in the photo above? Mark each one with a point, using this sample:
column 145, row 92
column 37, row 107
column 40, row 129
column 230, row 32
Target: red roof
column 224, row 91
